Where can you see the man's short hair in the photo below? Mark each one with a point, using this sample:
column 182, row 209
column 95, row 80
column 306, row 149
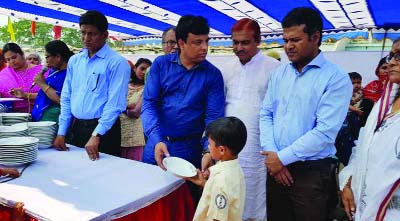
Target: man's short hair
column 95, row 18
column 196, row 25
column 173, row 28
column 307, row 16
column 228, row 131
column 247, row 24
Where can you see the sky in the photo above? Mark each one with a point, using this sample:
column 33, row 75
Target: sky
column 3, row 20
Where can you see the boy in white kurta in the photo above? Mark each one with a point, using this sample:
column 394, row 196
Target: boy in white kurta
column 224, row 192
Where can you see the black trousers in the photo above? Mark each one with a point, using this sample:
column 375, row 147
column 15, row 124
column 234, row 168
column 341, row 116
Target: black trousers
column 110, row 143
column 312, row 196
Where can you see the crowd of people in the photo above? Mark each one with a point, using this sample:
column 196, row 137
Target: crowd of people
column 266, row 136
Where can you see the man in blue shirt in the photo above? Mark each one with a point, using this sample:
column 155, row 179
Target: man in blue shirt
column 303, row 110
column 183, row 93
column 94, row 92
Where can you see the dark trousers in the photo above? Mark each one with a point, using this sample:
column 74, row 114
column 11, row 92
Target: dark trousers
column 312, row 196
column 110, row 143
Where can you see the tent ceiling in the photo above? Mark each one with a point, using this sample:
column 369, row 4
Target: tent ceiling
column 136, row 18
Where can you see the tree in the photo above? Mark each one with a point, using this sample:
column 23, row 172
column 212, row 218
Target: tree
column 22, row 30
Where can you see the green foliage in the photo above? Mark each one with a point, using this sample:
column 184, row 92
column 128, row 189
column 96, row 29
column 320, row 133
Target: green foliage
column 23, row 35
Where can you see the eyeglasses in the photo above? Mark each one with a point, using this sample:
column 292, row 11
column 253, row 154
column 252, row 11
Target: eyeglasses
column 169, row 43
column 396, row 57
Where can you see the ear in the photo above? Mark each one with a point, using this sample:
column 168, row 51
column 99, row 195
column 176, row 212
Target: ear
column 258, row 40
column 59, row 58
column 316, row 36
column 181, row 44
column 222, row 150
column 105, row 35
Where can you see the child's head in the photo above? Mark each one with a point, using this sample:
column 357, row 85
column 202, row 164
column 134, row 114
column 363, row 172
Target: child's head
column 227, row 137
column 356, row 80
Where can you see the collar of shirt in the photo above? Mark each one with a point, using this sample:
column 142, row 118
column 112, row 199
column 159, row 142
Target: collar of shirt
column 175, row 59
column 223, row 165
column 102, row 53
column 318, row 61
column 254, row 59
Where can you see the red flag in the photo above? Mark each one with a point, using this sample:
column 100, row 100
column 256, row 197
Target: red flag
column 114, row 38
column 57, row 32
column 33, row 28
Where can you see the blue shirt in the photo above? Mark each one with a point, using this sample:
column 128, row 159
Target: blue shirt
column 303, row 112
column 42, row 102
column 95, row 87
column 178, row 102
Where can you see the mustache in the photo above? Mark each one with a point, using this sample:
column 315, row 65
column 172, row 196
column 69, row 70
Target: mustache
column 240, row 52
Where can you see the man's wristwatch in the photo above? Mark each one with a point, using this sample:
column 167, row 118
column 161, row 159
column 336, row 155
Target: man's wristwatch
column 95, row 134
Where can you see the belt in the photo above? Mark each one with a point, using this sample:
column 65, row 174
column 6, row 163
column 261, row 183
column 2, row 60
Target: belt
column 183, row 138
column 86, row 123
column 314, row 163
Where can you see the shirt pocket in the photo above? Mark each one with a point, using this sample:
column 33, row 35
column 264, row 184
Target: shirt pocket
column 96, row 82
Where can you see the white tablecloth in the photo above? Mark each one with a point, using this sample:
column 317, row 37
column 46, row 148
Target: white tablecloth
column 68, row 186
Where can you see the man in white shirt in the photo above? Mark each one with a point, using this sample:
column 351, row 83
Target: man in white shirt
column 246, row 79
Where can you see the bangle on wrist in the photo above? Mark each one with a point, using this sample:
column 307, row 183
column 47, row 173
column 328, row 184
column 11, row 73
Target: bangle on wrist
column 46, row 89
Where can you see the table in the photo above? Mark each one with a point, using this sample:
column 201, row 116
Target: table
column 63, row 185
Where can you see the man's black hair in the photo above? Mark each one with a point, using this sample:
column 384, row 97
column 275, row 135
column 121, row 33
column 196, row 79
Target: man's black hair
column 95, row 18
column 307, row 16
column 196, row 25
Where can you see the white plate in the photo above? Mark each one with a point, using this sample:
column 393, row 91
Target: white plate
column 38, row 124
column 18, row 141
column 15, row 114
column 179, row 167
column 3, row 99
column 12, row 129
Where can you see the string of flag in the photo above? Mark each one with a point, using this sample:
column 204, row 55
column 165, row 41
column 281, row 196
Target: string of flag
column 10, row 29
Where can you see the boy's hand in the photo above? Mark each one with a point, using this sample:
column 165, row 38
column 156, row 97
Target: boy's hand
column 206, row 162
column 198, row 179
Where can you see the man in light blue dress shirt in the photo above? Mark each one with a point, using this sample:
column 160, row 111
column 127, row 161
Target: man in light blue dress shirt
column 303, row 110
column 94, row 92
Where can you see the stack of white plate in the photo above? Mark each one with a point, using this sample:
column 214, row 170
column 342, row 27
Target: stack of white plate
column 13, row 118
column 45, row 131
column 18, row 150
column 13, row 131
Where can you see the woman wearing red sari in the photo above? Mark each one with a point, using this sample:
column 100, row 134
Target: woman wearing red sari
column 374, row 89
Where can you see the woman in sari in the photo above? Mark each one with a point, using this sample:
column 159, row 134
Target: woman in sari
column 370, row 183
column 16, row 79
column 47, row 103
column 132, row 138
column 374, row 89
